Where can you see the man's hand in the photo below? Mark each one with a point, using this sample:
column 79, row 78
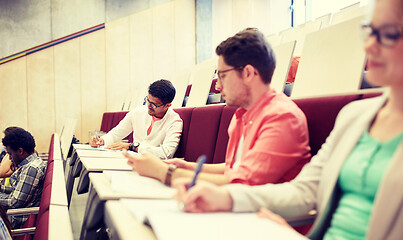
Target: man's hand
column 180, row 163
column 203, row 197
column 147, row 165
column 118, row 146
column 96, row 141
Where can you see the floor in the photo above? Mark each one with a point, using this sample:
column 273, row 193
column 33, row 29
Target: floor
column 76, row 210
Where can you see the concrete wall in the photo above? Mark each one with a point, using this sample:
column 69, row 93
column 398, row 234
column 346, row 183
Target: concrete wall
column 25, row 24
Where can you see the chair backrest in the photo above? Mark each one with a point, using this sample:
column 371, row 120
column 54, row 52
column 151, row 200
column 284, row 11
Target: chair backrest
column 107, row 121
column 185, row 114
column 321, row 114
column 203, row 132
column 222, row 137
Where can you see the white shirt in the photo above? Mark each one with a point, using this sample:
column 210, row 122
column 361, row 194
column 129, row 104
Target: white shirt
column 164, row 136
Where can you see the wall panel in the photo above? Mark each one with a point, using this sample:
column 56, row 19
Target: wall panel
column 93, row 81
column 67, row 83
column 117, row 63
column 222, row 21
column 185, row 29
column 13, row 94
column 242, row 14
column 141, row 56
column 41, row 97
column 164, row 41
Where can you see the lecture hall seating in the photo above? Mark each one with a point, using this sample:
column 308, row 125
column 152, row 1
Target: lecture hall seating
column 205, row 128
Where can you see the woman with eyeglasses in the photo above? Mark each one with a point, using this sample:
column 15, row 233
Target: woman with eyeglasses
column 355, row 182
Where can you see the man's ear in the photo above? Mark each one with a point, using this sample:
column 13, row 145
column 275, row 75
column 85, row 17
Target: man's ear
column 168, row 105
column 20, row 151
column 249, row 72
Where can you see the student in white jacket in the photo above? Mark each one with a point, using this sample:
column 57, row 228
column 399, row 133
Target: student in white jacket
column 156, row 127
column 355, row 181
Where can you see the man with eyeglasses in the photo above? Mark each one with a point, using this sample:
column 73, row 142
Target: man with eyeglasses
column 156, row 127
column 268, row 134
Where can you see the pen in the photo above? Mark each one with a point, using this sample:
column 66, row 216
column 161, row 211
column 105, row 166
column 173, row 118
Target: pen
column 200, row 161
column 96, row 135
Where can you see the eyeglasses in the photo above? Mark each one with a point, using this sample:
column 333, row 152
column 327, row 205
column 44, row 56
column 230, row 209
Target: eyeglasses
column 153, row 105
column 387, row 35
column 224, row 71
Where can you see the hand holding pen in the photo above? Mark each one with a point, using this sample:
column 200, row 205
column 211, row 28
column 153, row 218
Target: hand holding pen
column 200, row 161
column 96, row 141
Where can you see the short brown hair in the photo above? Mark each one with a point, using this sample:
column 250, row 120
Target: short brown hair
column 249, row 46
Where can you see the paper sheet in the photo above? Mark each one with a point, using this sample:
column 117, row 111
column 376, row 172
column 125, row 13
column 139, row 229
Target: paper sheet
column 134, row 185
column 179, row 225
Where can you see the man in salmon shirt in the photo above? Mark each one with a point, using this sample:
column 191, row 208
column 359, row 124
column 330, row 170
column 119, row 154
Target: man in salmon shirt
column 268, row 134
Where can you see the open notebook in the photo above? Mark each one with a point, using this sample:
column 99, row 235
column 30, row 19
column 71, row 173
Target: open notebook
column 168, row 222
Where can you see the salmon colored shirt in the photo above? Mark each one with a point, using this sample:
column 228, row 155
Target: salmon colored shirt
column 275, row 145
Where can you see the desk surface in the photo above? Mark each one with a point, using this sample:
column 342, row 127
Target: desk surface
column 58, row 195
column 99, row 153
column 100, row 164
column 123, row 224
column 102, row 185
column 59, row 223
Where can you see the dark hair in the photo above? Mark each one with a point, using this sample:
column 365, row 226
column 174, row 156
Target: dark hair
column 3, row 215
column 19, row 138
column 163, row 90
column 10, row 129
column 249, row 46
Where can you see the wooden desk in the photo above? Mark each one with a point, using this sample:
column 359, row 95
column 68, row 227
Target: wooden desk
column 58, row 195
column 59, row 223
column 101, row 164
column 123, row 225
column 99, row 154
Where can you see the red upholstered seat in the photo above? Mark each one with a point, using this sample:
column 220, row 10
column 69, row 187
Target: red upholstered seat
column 188, row 89
column 321, row 113
column 107, row 120
column 212, row 88
column 51, row 149
column 203, row 132
column 185, row 114
column 222, row 137
column 48, row 174
column 42, row 226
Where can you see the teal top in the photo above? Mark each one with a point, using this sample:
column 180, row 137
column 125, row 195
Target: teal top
column 359, row 180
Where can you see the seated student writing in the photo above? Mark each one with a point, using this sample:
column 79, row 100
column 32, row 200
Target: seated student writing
column 355, row 180
column 26, row 181
column 156, row 127
column 268, row 134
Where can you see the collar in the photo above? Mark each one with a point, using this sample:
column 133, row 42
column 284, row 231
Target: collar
column 28, row 159
column 247, row 115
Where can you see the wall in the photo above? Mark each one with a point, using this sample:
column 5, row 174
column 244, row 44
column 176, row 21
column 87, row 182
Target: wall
column 86, row 76
column 25, row 24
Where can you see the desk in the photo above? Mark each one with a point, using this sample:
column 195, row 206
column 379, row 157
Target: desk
column 123, row 225
column 100, row 191
column 99, row 160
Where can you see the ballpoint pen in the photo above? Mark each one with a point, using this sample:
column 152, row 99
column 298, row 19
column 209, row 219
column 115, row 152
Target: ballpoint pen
column 200, row 161
column 97, row 137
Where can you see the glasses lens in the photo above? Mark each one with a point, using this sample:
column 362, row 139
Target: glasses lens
column 146, row 101
column 389, row 35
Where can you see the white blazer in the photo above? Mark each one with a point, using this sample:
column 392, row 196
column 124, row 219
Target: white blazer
column 314, row 187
